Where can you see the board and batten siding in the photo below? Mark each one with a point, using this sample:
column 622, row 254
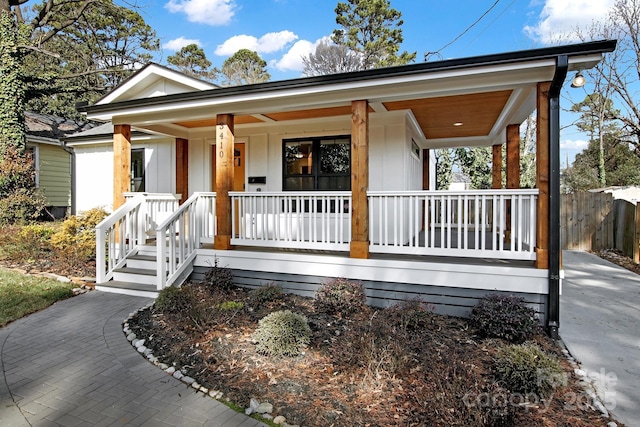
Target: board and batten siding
column 54, row 165
column 94, row 172
column 453, row 288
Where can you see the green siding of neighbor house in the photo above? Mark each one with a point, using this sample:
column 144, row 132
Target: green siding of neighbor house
column 55, row 175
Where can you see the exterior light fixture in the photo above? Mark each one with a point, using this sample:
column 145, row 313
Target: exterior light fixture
column 578, row 80
column 458, row 124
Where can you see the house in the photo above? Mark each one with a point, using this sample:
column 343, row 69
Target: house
column 302, row 180
column 52, row 160
column 459, row 181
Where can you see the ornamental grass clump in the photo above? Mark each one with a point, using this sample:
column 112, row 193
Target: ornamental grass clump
column 525, row 368
column 340, row 296
column 282, row 333
column 504, row 316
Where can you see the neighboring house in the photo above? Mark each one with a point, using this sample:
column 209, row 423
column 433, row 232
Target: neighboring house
column 52, row 161
column 302, row 180
column 459, row 182
column 629, row 193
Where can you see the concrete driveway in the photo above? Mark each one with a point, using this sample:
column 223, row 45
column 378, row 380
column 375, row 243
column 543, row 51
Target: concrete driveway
column 600, row 325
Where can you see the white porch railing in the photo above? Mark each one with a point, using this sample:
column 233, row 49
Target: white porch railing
column 460, row 223
column 301, row 220
column 178, row 236
column 118, row 235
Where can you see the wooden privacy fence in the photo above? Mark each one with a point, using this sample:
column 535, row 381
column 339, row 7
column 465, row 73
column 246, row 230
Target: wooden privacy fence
column 596, row 221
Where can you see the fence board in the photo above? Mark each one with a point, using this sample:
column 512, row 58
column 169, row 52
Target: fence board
column 595, row 221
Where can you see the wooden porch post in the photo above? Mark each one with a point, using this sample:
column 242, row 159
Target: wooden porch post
column 496, row 167
column 513, row 156
column 513, row 169
column 425, row 169
column 121, row 163
column 359, row 247
column 542, row 175
column 224, row 180
column 182, row 169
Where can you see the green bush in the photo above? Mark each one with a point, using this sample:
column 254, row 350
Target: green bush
column 525, row 368
column 265, row 294
column 75, row 240
column 340, row 296
column 218, row 277
column 504, row 316
column 282, row 333
column 26, row 242
column 20, row 200
column 174, row 300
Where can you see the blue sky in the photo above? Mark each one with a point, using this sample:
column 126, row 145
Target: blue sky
column 282, row 31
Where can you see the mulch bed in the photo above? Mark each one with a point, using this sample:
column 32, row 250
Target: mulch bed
column 361, row 370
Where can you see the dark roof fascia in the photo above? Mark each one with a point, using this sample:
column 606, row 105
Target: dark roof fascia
column 596, row 47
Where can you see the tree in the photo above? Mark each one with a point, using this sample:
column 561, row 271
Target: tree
column 244, row 67
column 618, row 74
column 475, row 162
column 372, row 29
column 191, row 60
column 444, row 168
column 621, row 165
column 60, row 52
column 105, row 44
column 330, row 58
column 527, row 154
column 596, row 115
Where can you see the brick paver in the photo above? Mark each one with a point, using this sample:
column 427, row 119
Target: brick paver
column 70, row 365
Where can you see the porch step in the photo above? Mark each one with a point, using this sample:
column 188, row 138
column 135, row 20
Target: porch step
column 135, row 275
column 128, row 288
column 145, row 262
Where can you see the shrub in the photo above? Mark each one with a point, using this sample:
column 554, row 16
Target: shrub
column 75, row 240
column 20, row 200
column 504, row 316
column 340, row 296
column 174, row 300
column 265, row 294
column 282, row 333
column 219, row 277
column 27, row 242
column 525, row 368
column 412, row 315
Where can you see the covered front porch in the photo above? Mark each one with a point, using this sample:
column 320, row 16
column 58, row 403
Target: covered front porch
column 313, row 178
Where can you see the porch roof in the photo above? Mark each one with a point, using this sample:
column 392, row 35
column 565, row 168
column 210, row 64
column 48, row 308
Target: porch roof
column 483, row 93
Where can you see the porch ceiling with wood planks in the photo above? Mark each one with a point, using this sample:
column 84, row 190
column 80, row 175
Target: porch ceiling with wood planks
column 459, row 116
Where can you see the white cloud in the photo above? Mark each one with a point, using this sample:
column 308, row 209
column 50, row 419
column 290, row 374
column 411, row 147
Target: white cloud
column 268, row 43
column 573, row 144
column 179, row 43
column 292, row 60
column 211, row 12
column 560, row 19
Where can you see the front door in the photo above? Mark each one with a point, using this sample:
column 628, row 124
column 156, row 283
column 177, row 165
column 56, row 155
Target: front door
column 238, row 167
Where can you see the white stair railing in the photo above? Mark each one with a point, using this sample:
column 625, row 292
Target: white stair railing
column 474, row 223
column 301, row 219
column 117, row 236
column 179, row 235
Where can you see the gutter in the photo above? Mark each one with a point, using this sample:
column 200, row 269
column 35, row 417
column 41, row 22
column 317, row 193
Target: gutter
column 553, row 318
column 72, row 153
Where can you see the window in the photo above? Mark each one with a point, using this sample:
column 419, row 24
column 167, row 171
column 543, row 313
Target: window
column 322, row 163
column 137, row 170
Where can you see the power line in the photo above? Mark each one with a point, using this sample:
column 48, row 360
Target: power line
column 437, row 52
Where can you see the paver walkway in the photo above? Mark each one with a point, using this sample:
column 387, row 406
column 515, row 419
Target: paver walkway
column 600, row 325
column 71, row 365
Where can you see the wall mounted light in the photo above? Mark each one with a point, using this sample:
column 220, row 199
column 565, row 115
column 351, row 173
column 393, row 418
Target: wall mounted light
column 578, row 80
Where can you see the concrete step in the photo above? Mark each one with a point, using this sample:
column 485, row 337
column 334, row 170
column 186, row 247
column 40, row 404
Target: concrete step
column 135, row 275
column 127, row 288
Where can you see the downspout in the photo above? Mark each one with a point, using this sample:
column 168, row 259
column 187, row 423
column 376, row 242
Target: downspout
column 72, row 153
column 553, row 322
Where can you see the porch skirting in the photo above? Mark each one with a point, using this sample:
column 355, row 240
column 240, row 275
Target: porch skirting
column 452, row 287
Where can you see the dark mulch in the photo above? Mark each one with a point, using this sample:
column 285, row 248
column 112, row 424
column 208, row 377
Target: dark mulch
column 364, row 370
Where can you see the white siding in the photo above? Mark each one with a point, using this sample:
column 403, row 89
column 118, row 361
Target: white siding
column 94, row 172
